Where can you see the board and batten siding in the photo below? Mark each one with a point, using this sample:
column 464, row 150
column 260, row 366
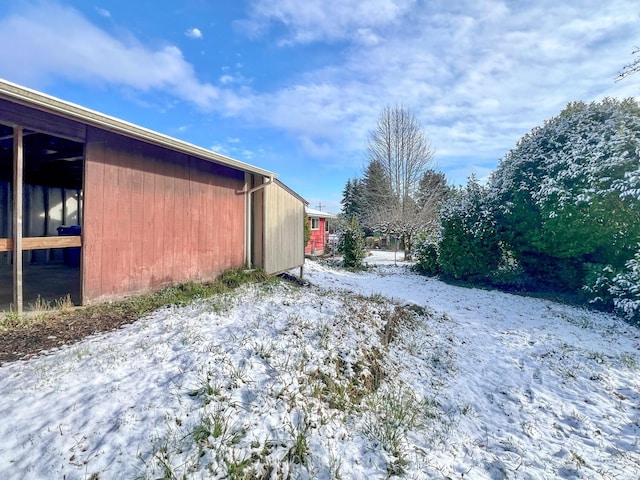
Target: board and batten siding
column 283, row 229
column 153, row 216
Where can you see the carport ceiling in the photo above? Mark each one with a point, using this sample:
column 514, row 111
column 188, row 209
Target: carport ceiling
column 48, row 160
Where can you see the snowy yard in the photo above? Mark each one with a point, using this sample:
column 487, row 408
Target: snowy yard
column 360, row 376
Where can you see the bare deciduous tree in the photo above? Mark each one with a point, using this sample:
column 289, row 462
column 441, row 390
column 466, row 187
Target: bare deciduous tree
column 403, row 150
column 631, row 68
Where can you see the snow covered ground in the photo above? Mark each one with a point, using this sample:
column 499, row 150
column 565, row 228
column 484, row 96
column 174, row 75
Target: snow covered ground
column 360, row 376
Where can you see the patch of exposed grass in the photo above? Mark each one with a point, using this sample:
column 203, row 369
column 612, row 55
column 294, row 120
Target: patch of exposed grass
column 38, row 310
column 391, row 415
column 395, row 320
column 60, row 323
column 136, row 307
column 345, row 387
column 299, row 429
column 12, row 320
column 629, row 360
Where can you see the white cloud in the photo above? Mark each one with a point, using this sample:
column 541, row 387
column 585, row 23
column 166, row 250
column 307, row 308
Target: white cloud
column 479, row 75
column 193, row 33
column 233, row 147
column 246, row 155
column 84, row 53
column 226, row 79
column 366, row 36
column 229, row 79
column 103, row 12
column 218, row 148
column 316, row 148
column 325, row 20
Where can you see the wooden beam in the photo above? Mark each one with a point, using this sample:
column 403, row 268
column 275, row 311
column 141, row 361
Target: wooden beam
column 24, row 134
column 18, row 164
column 41, row 121
column 39, row 243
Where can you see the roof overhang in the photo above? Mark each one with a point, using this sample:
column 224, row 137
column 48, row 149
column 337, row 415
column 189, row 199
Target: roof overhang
column 284, row 187
column 312, row 212
column 46, row 103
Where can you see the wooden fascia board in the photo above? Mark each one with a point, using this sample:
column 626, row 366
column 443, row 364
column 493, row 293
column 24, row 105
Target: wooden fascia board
column 47, row 103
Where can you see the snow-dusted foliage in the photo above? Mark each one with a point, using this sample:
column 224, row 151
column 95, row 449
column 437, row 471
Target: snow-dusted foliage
column 569, row 193
column 618, row 289
column 426, row 254
column 352, row 244
column 625, row 289
column 469, row 243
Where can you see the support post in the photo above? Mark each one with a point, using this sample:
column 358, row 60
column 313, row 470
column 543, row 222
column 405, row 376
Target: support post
column 18, row 164
column 248, row 231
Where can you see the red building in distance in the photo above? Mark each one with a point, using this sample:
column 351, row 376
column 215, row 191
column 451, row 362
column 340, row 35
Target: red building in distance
column 318, row 221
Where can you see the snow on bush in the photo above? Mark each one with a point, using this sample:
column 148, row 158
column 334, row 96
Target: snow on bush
column 569, row 193
column 625, row 289
column 469, row 244
column 426, row 255
column 352, row 244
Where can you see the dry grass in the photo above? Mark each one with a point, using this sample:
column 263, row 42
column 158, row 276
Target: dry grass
column 51, row 325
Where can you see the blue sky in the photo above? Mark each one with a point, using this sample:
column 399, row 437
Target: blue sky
column 295, row 87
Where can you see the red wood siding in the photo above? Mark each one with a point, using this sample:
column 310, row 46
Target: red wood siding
column 318, row 239
column 154, row 217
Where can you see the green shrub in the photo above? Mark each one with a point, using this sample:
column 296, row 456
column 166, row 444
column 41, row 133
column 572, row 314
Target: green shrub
column 598, row 280
column 567, row 194
column 307, row 230
column 617, row 289
column 352, row 244
column 426, row 255
column 469, row 245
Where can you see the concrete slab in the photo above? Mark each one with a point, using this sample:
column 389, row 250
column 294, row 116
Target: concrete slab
column 50, row 281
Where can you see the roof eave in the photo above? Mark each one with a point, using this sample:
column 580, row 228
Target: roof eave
column 41, row 101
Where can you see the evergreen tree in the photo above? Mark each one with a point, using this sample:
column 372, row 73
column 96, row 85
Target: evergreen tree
column 377, row 194
column 432, row 190
column 307, row 230
column 352, row 198
column 347, row 198
column 352, row 244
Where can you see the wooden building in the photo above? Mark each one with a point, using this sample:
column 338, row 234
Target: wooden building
column 319, row 222
column 130, row 209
